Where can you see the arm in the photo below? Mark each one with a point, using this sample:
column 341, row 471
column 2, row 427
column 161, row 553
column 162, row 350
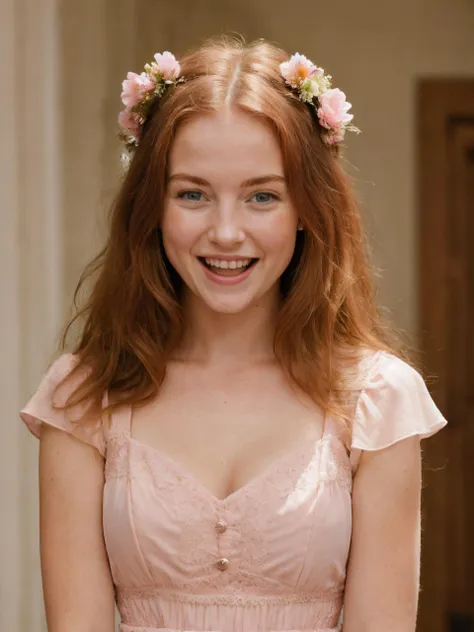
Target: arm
column 383, row 572
column 78, row 588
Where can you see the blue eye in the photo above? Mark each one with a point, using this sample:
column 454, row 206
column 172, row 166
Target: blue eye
column 190, row 196
column 264, row 198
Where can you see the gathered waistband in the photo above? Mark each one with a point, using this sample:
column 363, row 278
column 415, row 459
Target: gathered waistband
column 161, row 611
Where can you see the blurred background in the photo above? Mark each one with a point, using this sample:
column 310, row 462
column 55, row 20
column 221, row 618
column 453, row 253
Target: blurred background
column 408, row 69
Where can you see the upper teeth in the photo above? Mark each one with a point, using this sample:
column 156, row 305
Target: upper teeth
column 220, row 263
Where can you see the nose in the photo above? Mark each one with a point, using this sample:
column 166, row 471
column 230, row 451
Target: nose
column 226, row 228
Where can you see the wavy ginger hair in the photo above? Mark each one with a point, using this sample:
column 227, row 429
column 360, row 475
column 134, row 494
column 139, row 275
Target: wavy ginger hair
column 133, row 320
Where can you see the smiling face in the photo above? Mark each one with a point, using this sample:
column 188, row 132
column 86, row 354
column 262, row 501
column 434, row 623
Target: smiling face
column 229, row 227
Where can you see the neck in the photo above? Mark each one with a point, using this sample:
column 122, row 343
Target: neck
column 214, row 338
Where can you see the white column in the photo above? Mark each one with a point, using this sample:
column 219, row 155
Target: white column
column 10, row 443
column 30, row 282
column 58, row 161
column 40, row 251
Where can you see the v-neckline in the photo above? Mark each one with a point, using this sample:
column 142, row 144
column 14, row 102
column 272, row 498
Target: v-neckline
column 204, row 491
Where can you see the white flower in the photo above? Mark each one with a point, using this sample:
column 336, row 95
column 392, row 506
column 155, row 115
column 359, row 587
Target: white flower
column 297, row 70
column 309, row 90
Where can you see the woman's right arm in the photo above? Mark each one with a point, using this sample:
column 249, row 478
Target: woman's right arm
column 78, row 588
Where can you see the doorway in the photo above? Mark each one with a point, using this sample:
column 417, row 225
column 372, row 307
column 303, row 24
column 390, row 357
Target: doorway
column 445, row 135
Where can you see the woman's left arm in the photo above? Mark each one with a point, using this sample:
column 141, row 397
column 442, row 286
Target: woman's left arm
column 384, row 564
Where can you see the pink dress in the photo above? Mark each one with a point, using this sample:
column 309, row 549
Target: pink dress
column 271, row 556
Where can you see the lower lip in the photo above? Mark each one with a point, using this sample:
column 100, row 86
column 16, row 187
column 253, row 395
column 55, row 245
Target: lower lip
column 227, row 280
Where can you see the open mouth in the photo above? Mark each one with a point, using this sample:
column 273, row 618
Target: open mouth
column 227, row 268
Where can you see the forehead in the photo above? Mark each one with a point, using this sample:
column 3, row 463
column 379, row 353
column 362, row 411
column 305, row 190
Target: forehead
column 230, row 143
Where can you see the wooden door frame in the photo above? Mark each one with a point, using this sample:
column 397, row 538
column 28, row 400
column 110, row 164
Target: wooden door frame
column 441, row 103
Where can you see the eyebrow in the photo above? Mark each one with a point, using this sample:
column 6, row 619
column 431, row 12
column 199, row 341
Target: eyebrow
column 247, row 183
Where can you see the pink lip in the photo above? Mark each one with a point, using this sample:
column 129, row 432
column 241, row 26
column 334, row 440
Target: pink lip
column 227, row 280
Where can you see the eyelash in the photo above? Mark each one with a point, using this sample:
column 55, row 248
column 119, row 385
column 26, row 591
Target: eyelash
column 181, row 195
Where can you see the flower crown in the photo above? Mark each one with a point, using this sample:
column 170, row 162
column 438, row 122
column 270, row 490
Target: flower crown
column 314, row 87
column 138, row 94
column 308, row 80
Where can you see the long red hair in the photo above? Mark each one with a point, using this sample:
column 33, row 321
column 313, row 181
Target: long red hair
column 132, row 321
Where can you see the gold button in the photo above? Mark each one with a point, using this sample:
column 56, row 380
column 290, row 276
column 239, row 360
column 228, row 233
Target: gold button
column 223, row 564
column 221, row 526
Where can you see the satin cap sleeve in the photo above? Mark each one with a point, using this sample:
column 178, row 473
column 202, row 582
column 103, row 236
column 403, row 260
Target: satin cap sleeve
column 394, row 405
column 39, row 410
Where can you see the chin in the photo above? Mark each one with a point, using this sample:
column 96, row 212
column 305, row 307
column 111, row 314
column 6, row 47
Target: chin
column 234, row 300
column 227, row 305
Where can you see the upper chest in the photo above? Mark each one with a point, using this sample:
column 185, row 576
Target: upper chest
column 226, row 427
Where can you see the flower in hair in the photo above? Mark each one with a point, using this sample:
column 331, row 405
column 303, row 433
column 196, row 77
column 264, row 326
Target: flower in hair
column 333, row 113
column 314, row 87
column 130, row 122
column 166, row 64
column 138, row 94
column 300, row 73
column 136, row 87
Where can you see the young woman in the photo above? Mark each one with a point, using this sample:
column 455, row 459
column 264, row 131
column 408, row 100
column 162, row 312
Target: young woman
column 233, row 444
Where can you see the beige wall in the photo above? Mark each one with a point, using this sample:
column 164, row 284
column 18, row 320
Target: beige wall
column 59, row 165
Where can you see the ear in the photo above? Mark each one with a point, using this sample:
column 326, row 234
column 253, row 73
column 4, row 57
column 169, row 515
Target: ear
column 300, row 226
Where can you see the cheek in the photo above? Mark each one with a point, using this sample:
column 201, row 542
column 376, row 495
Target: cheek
column 179, row 233
column 279, row 237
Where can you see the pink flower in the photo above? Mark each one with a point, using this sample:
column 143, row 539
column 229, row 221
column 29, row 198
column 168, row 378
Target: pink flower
column 333, row 110
column 168, row 66
column 298, row 69
column 130, row 123
column 336, row 136
column 135, row 87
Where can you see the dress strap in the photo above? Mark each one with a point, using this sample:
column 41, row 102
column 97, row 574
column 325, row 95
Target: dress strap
column 117, row 463
column 329, row 426
column 337, row 428
column 120, row 422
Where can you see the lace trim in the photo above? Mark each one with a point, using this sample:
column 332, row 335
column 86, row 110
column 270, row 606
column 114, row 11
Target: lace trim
column 118, row 456
column 333, row 462
column 242, row 600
